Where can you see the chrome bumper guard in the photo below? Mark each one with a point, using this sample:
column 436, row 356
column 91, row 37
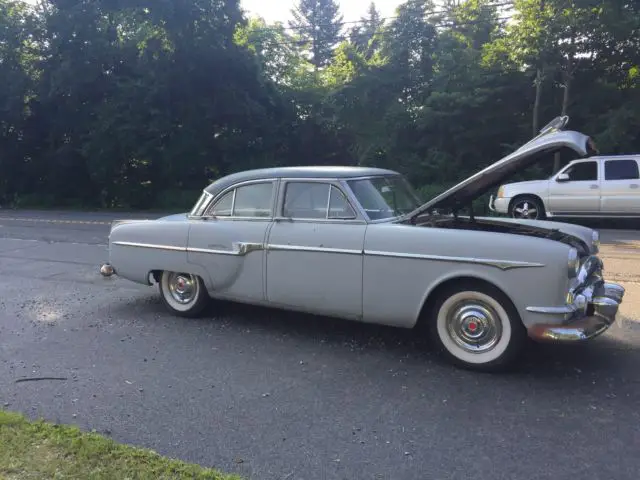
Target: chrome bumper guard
column 590, row 314
column 106, row 270
column 491, row 204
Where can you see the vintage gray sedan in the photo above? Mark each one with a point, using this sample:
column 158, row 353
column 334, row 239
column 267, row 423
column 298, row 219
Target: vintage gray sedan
column 356, row 243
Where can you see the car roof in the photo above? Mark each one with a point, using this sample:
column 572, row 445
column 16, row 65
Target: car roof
column 617, row 156
column 296, row 172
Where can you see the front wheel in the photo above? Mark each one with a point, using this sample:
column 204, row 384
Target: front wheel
column 527, row 208
column 477, row 327
column 183, row 294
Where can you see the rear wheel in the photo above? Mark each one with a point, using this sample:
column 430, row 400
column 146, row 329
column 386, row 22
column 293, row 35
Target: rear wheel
column 183, row 294
column 477, row 327
column 527, row 208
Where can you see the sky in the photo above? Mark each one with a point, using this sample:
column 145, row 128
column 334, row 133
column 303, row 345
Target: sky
column 280, row 10
column 352, row 10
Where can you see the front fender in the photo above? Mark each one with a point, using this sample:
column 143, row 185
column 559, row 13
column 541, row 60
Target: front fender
column 404, row 264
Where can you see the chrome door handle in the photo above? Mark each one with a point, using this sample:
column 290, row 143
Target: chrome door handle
column 633, row 185
column 593, row 187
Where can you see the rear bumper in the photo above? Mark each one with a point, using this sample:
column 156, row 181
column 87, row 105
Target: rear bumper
column 589, row 315
column 107, row 270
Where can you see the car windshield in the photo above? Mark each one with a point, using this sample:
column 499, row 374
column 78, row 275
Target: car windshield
column 385, row 197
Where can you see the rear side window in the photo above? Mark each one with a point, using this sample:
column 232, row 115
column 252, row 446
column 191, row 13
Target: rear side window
column 621, row 170
column 253, row 200
column 584, row 171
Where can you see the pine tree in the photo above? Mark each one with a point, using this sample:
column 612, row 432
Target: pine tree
column 366, row 37
column 319, row 24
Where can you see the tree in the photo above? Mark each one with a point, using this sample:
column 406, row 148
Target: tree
column 277, row 51
column 138, row 103
column 319, row 24
column 18, row 55
column 367, row 36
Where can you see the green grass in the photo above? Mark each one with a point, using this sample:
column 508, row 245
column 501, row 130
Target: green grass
column 43, row 450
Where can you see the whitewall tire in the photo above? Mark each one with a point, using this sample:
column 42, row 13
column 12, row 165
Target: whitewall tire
column 183, row 294
column 477, row 327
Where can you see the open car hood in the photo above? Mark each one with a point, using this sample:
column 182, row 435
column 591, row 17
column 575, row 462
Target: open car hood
column 551, row 139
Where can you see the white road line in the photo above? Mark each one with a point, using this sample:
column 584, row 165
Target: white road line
column 48, row 220
column 50, row 242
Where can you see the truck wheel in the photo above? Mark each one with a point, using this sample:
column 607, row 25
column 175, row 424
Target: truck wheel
column 477, row 327
column 527, row 208
column 183, row 294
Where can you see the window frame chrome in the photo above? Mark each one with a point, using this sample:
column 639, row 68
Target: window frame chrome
column 203, row 202
column 340, row 183
column 345, row 198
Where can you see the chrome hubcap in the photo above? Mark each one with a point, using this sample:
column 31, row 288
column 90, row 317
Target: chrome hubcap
column 525, row 210
column 183, row 287
column 474, row 326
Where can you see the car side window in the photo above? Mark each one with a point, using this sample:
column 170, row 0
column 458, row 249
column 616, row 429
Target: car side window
column 306, row 200
column 626, row 169
column 315, row 200
column 583, row 172
column 254, row 200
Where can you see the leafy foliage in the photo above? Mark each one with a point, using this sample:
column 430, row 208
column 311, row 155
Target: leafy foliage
column 140, row 103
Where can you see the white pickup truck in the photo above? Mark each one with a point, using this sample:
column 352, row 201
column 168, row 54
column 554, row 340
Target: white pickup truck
column 599, row 186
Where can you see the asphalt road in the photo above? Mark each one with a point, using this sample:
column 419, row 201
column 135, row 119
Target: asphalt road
column 274, row 395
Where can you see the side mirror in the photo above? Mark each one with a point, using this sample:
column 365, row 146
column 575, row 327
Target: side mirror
column 563, row 177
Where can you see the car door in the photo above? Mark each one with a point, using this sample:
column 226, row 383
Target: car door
column 620, row 187
column 575, row 189
column 230, row 239
column 315, row 250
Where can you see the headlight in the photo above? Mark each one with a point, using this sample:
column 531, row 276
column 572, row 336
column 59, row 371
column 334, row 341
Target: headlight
column 573, row 263
column 500, row 193
column 595, row 241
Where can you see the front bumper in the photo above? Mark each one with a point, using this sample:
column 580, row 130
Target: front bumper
column 589, row 314
column 499, row 205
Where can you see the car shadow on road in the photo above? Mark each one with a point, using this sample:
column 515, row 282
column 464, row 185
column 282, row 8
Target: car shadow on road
column 604, row 355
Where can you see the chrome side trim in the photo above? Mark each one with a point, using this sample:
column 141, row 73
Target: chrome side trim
column 232, row 219
column 212, row 251
column 501, row 264
column 299, row 248
column 562, row 310
column 150, row 245
column 117, row 223
column 333, row 220
column 239, row 248
column 242, row 248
